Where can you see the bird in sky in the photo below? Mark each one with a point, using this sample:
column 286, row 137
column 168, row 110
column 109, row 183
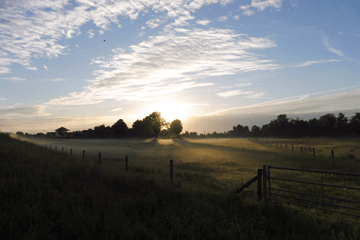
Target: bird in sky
column 104, row 40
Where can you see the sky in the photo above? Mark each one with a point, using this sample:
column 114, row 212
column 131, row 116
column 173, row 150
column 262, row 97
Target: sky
column 212, row 64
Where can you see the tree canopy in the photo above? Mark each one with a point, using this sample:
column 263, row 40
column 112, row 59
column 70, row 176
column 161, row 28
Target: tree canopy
column 120, row 129
column 176, row 127
column 155, row 122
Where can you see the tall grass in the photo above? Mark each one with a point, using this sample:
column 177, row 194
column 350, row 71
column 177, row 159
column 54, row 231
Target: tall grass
column 50, row 195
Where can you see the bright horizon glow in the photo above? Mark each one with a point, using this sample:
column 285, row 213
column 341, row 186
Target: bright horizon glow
column 169, row 111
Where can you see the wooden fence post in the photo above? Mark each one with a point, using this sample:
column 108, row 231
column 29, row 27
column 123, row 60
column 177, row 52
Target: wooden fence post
column 292, row 147
column 71, row 152
column 264, row 182
column 50, row 146
column 100, row 158
column 126, row 162
column 83, row 157
column 332, row 155
column 55, row 148
column 171, row 170
column 285, row 146
column 62, row 149
column 301, row 149
column 314, row 152
column 259, row 183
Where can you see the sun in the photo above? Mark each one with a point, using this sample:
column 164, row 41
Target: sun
column 171, row 111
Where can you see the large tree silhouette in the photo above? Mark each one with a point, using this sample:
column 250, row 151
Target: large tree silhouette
column 120, row 128
column 176, row 127
column 155, row 122
column 140, row 129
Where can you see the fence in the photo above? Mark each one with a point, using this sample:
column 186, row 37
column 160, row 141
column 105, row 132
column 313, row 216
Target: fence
column 302, row 149
column 322, row 201
column 126, row 160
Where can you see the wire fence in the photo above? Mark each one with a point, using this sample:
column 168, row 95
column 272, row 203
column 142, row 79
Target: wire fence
column 317, row 189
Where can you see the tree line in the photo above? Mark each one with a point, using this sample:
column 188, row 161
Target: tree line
column 327, row 125
column 152, row 125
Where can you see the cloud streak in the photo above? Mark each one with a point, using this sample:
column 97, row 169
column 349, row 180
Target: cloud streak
column 26, row 111
column 248, row 94
column 317, row 102
column 309, row 63
column 260, row 5
column 171, row 62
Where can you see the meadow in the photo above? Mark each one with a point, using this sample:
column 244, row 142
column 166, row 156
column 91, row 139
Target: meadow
column 52, row 195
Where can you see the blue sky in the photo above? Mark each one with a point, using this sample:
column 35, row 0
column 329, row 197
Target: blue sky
column 212, row 64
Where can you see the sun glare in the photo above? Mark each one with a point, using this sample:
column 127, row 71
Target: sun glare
column 171, row 111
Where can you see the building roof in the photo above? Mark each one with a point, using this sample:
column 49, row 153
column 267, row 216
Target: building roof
column 62, row 129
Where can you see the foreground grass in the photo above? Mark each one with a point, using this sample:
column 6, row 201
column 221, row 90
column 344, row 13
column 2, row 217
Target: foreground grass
column 47, row 195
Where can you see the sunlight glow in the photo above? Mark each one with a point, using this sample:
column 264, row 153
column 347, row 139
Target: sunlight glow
column 170, row 111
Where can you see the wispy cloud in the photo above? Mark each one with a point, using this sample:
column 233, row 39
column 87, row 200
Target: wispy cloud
column 203, row 22
column 46, row 68
column 308, row 63
column 116, row 109
column 222, row 18
column 32, row 68
column 161, row 65
column 2, row 99
column 4, row 70
column 247, row 94
column 153, row 23
column 14, row 79
column 27, row 111
column 249, row 12
column 337, row 51
column 91, row 33
column 322, row 101
column 243, row 84
column 332, row 49
column 260, row 5
column 53, row 80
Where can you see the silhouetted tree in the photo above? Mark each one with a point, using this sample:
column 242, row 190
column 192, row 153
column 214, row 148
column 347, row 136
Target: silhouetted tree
column 99, row 131
column 20, row 134
column 354, row 124
column 280, row 126
column 341, row 125
column 120, row 128
column 155, row 122
column 176, row 127
column 187, row 134
column 327, row 124
column 298, row 128
column 140, row 129
column 241, row 131
column 40, row 135
column 314, row 128
column 255, row 130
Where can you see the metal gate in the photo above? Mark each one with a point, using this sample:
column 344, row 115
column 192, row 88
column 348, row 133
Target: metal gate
column 316, row 189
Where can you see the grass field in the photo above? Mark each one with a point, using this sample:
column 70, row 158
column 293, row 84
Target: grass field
column 51, row 195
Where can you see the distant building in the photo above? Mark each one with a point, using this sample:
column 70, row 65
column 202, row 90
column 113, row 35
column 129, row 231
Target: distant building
column 62, row 132
column 193, row 134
